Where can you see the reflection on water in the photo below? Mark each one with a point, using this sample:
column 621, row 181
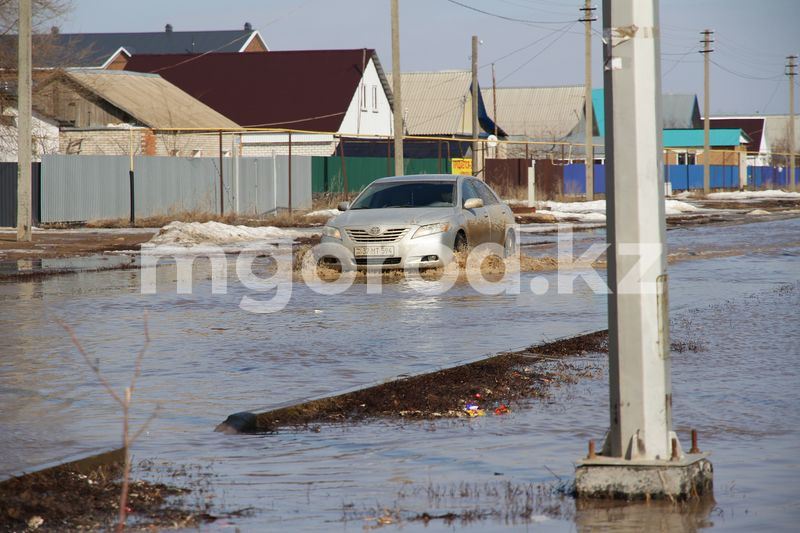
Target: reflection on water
column 209, row 359
column 640, row 516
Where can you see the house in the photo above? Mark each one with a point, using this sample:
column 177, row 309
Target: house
column 116, row 112
column 44, row 132
column 683, row 135
column 113, row 50
column 536, row 114
column 776, row 134
column 320, row 95
column 440, row 104
column 753, row 127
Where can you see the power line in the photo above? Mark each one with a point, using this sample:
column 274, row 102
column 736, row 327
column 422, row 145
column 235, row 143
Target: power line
column 746, row 76
column 537, row 41
column 774, row 92
column 504, row 17
column 537, row 8
column 551, row 43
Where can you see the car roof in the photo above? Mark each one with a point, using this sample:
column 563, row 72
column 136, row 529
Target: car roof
column 420, row 177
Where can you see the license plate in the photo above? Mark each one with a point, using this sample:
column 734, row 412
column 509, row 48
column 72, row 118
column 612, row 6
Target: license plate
column 374, row 251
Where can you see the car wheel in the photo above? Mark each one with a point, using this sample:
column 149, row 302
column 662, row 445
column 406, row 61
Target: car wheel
column 510, row 246
column 460, row 244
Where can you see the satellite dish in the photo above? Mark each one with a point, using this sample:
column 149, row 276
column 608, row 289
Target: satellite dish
column 492, row 141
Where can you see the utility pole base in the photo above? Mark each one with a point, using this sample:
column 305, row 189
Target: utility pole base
column 682, row 479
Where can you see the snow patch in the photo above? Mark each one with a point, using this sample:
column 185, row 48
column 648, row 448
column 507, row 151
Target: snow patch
column 595, row 211
column 675, row 207
column 744, row 195
column 196, row 233
column 758, row 212
column 324, row 213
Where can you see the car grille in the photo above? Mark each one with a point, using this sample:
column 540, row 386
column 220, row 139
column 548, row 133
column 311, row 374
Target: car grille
column 388, row 235
column 362, row 261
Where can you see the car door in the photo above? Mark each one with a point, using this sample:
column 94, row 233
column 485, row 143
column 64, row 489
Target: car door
column 495, row 210
column 477, row 220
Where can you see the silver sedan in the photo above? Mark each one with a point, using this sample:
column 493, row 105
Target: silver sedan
column 407, row 221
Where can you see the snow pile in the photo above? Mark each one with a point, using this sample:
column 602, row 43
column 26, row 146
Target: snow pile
column 758, row 212
column 324, row 213
column 746, row 195
column 514, row 201
column 595, row 211
column 675, row 207
column 684, row 195
column 194, row 233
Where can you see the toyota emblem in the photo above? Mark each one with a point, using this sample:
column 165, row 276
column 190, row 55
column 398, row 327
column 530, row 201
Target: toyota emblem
column 375, row 230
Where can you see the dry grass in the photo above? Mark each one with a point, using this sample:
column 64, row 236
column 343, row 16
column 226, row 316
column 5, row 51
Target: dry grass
column 281, row 220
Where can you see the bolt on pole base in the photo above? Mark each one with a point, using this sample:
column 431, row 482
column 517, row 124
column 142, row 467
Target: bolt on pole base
column 687, row 477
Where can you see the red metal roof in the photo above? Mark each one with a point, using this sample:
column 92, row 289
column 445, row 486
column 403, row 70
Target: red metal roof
column 752, row 126
column 303, row 89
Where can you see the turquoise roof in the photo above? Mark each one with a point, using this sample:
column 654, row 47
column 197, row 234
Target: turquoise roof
column 599, row 111
column 673, row 138
column 695, row 138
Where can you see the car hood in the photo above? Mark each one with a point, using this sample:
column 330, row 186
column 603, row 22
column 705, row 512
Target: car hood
column 392, row 216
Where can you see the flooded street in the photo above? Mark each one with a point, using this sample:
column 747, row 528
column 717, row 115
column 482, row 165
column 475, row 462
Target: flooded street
column 735, row 296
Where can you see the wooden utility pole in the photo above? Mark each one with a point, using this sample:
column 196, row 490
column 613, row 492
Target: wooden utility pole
column 707, row 40
column 791, row 73
column 399, row 168
column 494, row 100
column 588, row 17
column 24, row 219
column 475, row 143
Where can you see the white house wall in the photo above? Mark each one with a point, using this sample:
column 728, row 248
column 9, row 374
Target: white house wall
column 45, row 138
column 370, row 121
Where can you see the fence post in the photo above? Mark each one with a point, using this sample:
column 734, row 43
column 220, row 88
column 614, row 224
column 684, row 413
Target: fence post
column 532, row 183
column 290, row 173
column 388, row 157
column 344, row 166
column 221, row 177
column 742, row 171
column 131, row 177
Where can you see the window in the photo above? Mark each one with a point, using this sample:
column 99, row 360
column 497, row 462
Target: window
column 374, row 98
column 406, row 194
column 363, row 97
column 468, row 191
column 485, row 193
column 686, row 158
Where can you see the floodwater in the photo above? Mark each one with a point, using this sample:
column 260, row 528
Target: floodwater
column 208, row 358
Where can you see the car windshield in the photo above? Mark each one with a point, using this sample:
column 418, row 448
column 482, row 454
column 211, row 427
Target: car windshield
column 407, row 194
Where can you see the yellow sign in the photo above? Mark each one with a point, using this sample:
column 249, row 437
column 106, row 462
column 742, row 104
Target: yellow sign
column 461, row 166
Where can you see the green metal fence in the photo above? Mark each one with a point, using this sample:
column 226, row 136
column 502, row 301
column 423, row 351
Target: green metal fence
column 327, row 173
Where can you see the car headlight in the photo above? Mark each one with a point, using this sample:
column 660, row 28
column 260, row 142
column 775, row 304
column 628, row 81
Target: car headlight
column 330, row 231
column 430, row 229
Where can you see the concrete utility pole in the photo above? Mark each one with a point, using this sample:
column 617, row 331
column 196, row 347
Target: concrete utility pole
column 24, row 219
column 588, row 17
column 707, row 40
column 790, row 71
column 641, row 455
column 399, row 168
column 475, row 142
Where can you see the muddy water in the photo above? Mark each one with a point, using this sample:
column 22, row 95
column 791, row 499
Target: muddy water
column 207, row 359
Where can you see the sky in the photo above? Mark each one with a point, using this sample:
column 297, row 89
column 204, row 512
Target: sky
column 544, row 46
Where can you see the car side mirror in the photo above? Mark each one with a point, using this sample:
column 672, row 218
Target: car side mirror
column 343, row 206
column 473, row 203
